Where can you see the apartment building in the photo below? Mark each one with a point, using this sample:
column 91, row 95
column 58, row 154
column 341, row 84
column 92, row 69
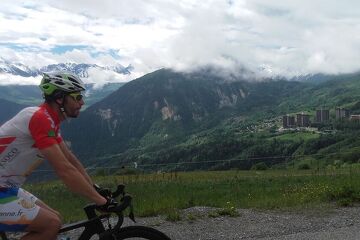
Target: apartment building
column 322, row 115
column 288, row 121
column 302, row 120
column 342, row 113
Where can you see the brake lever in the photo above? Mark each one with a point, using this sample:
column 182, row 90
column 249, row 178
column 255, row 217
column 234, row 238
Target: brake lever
column 131, row 214
column 121, row 191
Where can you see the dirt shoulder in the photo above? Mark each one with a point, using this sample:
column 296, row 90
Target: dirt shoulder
column 339, row 223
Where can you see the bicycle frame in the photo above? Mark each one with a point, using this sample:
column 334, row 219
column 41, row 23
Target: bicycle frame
column 93, row 225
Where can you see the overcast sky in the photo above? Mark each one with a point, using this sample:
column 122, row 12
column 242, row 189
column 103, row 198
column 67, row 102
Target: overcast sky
column 269, row 37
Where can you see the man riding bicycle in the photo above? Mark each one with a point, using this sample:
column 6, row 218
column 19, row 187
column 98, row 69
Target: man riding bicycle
column 25, row 141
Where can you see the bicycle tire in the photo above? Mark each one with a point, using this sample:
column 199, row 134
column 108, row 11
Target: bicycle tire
column 140, row 232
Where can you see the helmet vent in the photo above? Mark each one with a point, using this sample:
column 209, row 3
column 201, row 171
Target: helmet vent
column 72, row 79
column 59, row 83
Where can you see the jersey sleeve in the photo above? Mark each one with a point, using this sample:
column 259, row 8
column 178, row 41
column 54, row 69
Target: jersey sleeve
column 43, row 131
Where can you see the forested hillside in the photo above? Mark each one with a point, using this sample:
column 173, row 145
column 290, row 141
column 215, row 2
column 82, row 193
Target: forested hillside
column 193, row 121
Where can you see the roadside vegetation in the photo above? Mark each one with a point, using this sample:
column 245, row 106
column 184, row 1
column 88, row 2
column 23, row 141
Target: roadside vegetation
column 167, row 193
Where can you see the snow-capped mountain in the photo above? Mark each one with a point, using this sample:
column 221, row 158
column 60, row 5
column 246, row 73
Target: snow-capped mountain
column 17, row 69
column 82, row 70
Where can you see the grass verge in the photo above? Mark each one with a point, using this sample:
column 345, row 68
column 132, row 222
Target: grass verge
column 161, row 194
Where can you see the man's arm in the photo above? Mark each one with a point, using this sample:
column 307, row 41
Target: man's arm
column 70, row 175
column 74, row 161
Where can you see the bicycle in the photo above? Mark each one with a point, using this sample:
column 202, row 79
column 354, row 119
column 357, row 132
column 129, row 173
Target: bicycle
column 94, row 224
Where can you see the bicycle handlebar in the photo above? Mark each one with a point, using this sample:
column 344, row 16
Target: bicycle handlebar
column 125, row 202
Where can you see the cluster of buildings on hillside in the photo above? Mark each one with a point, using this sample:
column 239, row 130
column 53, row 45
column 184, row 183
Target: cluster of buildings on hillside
column 321, row 116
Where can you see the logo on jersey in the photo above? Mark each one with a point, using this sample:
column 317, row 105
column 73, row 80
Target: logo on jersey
column 9, row 156
column 27, row 204
column 51, row 133
column 5, row 142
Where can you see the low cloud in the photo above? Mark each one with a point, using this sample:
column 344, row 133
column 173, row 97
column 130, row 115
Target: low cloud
column 101, row 77
column 6, row 79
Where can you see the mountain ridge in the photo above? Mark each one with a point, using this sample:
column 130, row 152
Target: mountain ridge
column 81, row 69
column 165, row 101
column 168, row 116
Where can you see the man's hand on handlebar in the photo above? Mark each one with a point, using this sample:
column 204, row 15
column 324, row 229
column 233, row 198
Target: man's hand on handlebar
column 112, row 206
column 109, row 206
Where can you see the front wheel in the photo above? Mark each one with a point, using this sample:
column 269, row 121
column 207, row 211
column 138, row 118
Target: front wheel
column 140, row 232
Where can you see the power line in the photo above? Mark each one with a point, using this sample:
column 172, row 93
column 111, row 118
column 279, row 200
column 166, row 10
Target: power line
column 209, row 161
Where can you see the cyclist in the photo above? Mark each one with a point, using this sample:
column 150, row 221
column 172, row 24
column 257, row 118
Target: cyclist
column 25, row 141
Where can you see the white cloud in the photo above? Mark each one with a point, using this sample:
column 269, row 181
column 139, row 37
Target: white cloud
column 6, row 79
column 96, row 76
column 100, row 77
column 279, row 37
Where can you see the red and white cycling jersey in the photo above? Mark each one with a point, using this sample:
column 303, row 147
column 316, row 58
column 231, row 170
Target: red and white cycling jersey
column 21, row 137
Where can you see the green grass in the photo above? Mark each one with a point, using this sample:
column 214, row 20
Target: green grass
column 296, row 136
column 167, row 193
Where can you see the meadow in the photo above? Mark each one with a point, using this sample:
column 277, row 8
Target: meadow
column 167, row 193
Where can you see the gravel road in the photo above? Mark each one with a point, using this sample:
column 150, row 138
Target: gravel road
column 339, row 223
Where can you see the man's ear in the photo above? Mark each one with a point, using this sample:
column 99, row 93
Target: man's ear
column 60, row 101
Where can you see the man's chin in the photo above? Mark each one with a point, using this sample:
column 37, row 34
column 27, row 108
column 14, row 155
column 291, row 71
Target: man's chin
column 72, row 115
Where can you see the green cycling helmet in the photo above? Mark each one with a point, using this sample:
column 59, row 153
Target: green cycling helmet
column 63, row 81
